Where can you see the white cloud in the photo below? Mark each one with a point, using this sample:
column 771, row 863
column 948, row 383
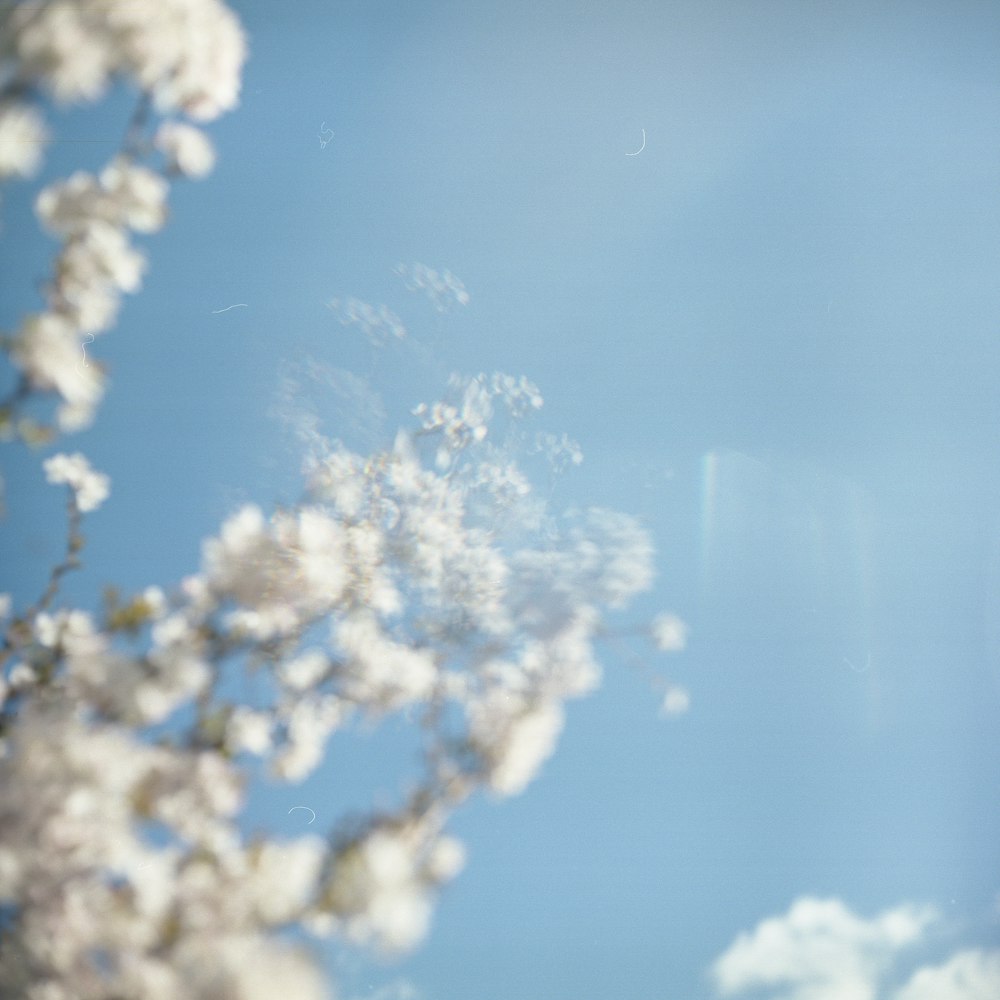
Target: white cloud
column 820, row 950
column 967, row 975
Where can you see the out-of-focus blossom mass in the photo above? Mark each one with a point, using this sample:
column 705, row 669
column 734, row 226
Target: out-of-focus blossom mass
column 187, row 54
column 442, row 288
column 669, row 633
column 188, row 149
column 425, row 578
column 90, row 488
column 186, row 58
column 676, row 701
column 425, row 606
column 379, row 324
column 22, row 140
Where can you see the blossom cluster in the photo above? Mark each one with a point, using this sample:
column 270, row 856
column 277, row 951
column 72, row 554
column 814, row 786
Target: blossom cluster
column 424, row 579
column 386, row 590
column 98, row 908
column 442, row 288
column 463, row 415
column 561, row 451
column 185, row 56
column 90, row 488
column 22, row 139
column 377, row 323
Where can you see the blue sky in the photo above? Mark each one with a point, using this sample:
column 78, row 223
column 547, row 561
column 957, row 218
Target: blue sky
column 773, row 333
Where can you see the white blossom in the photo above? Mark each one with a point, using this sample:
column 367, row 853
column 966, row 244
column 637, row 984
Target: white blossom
column 187, row 54
column 562, row 665
column 187, row 148
column 514, row 735
column 75, row 416
column 377, row 323
column 155, row 601
column 380, row 885
column 71, row 205
column 612, row 553
column 247, row 967
column 201, row 61
column 280, row 573
column 429, row 603
column 101, row 255
column 445, row 859
column 22, row 139
column 125, row 194
column 56, row 43
column 22, row 676
column 309, row 721
column 90, row 488
column 282, row 878
column 48, row 349
column 95, row 266
column 136, row 195
column 601, row 557
column 676, row 701
column 560, row 451
column 443, row 289
column 91, row 308
column 669, row 633
column 378, row 671
column 248, row 730
column 305, row 670
column 519, row 395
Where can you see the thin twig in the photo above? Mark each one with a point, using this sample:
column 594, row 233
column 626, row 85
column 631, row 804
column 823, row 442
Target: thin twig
column 18, row 632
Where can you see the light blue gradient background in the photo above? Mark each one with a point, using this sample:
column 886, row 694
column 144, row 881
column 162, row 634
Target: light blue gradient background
column 774, row 333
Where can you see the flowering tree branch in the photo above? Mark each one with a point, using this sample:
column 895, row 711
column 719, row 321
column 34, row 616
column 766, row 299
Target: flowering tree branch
column 425, row 579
